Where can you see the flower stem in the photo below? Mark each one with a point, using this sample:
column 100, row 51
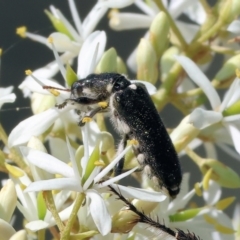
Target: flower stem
column 52, row 208
column 172, row 24
column 198, row 160
column 211, row 31
column 65, row 234
column 41, row 234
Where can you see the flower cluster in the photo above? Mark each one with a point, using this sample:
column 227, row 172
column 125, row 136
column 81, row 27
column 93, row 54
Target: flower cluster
column 61, row 175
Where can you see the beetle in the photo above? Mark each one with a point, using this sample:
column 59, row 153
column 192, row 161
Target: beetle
column 135, row 117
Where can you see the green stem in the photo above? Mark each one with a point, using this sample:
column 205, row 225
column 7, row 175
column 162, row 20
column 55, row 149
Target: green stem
column 198, row 160
column 172, row 24
column 161, row 97
column 41, row 234
column 48, row 197
column 77, row 205
column 211, row 31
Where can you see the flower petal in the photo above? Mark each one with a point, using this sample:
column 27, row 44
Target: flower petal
column 234, row 27
column 87, row 53
column 110, row 166
column 142, row 194
column 201, row 118
column 93, row 18
column 213, row 194
column 200, row 79
column 32, row 126
column 127, row 21
column 6, row 230
column 7, row 99
column 36, row 225
column 117, row 3
column 99, row 212
column 54, row 184
column 47, row 162
column 235, row 134
column 231, row 96
column 117, row 178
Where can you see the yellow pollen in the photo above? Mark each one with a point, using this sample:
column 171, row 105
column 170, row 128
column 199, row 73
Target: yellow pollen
column 103, row 104
column 22, row 186
column 54, row 92
column 207, row 178
column 198, row 189
column 21, row 31
column 50, row 40
column 112, row 12
column 237, row 71
column 28, row 72
column 86, row 119
column 0, row 52
column 16, row 172
column 134, row 142
column 99, row 163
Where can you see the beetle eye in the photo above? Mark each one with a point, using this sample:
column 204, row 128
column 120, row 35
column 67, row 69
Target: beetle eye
column 76, row 89
column 120, row 84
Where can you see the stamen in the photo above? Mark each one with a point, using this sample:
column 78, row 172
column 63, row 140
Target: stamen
column 86, row 119
column 103, row 104
column 21, row 31
column 134, row 142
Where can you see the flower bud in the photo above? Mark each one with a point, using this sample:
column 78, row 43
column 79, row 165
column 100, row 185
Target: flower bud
column 6, row 230
column 8, row 201
column 228, row 69
column 146, row 62
column 108, row 62
column 222, row 174
column 216, row 170
column 63, row 43
column 167, row 61
column 183, row 134
column 159, row 31
column 41, row 103
column 20, row 235
column 124, row 221
column 228, row 10
column 185, row 215
column 121, row 67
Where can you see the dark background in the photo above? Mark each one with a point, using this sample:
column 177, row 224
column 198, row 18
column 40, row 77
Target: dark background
column 21, row 54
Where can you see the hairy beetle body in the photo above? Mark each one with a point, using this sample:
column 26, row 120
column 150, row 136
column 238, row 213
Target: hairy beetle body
column 135, row 117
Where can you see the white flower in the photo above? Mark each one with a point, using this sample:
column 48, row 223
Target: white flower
column 29, row 206
column 202, row 118
column 74, row 179
column 6, row 96
column 126, row 21
column 38, row 124
column 223, row 226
